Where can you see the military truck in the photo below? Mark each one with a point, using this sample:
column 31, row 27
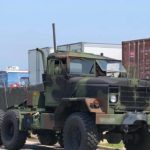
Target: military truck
column 84, row 99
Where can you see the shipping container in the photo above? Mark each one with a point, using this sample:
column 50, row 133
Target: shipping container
column 35, row 65
column 136, row 58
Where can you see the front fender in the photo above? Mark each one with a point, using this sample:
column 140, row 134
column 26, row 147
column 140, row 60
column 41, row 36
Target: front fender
column 131, row 118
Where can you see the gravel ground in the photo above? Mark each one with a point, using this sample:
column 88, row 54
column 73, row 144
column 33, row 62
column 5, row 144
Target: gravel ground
column 33, row 144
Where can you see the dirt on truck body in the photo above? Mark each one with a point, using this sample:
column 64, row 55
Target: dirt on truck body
column 84, row 99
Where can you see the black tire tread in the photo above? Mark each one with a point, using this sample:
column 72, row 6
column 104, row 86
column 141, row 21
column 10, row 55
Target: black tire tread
column 142, row 144
column 2, row 113
column 47, row 138
column 60, row 139
column 92, row 135
column 20, row 136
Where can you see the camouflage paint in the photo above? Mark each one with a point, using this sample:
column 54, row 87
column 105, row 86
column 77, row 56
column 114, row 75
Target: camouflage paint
column 47, row 121
column 71, row 88
column 43, row 101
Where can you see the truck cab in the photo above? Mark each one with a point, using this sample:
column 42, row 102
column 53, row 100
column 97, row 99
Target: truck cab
column 65, row 70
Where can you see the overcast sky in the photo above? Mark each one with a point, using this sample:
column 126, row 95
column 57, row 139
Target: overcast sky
column 26, row 24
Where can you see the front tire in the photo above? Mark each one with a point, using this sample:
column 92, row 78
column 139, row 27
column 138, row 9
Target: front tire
column 140, row 140
column 12, row 138
column 80, row 132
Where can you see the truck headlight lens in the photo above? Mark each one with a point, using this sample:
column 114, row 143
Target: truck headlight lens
column 113, row 98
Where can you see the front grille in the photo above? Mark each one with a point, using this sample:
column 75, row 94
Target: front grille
column 135, row 98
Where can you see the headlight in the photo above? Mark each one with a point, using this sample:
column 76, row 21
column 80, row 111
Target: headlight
column 113, row 98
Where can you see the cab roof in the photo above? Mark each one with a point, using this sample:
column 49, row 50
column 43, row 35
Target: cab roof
column 77, row 55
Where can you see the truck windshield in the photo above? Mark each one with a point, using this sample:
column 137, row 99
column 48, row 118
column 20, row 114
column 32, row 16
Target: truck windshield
column 81, row 66
column 103, row 67
column 111, row 67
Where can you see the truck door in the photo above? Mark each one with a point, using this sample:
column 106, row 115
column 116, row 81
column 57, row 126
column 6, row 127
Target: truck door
column 55, row 82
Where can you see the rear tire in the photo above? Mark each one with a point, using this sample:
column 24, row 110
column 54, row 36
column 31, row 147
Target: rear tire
column 60, row 139
column 12, row 138
column 47, row 138
column 2, row 113
column 80, row 132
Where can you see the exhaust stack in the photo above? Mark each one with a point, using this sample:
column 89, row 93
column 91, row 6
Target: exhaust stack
column 54, row 37
column 43, row 58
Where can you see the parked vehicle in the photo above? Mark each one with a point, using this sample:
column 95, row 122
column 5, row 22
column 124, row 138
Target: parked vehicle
column 13, row 77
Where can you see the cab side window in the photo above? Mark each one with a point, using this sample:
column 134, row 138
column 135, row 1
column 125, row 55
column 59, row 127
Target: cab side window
column 55, row 67
column 50, row 67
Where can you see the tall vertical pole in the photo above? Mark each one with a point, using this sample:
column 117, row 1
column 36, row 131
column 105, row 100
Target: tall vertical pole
column 54, row 38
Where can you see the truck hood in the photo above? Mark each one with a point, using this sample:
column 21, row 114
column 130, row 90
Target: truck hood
column 111, row 81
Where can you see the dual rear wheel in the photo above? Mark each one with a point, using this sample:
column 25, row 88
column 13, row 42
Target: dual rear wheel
column 2, row 113
column 12, row 138
column 47, row 137
column 50, row 138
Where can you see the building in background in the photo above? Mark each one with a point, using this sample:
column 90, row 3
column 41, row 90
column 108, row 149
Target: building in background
column 35, row 59
column 14, row 77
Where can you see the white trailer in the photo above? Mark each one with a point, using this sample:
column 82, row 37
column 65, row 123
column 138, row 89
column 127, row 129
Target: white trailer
column 108, row 50
column 35, row 59
column 35, row 65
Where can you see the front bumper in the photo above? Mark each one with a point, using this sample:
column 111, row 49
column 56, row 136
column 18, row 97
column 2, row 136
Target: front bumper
column 122, row 119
